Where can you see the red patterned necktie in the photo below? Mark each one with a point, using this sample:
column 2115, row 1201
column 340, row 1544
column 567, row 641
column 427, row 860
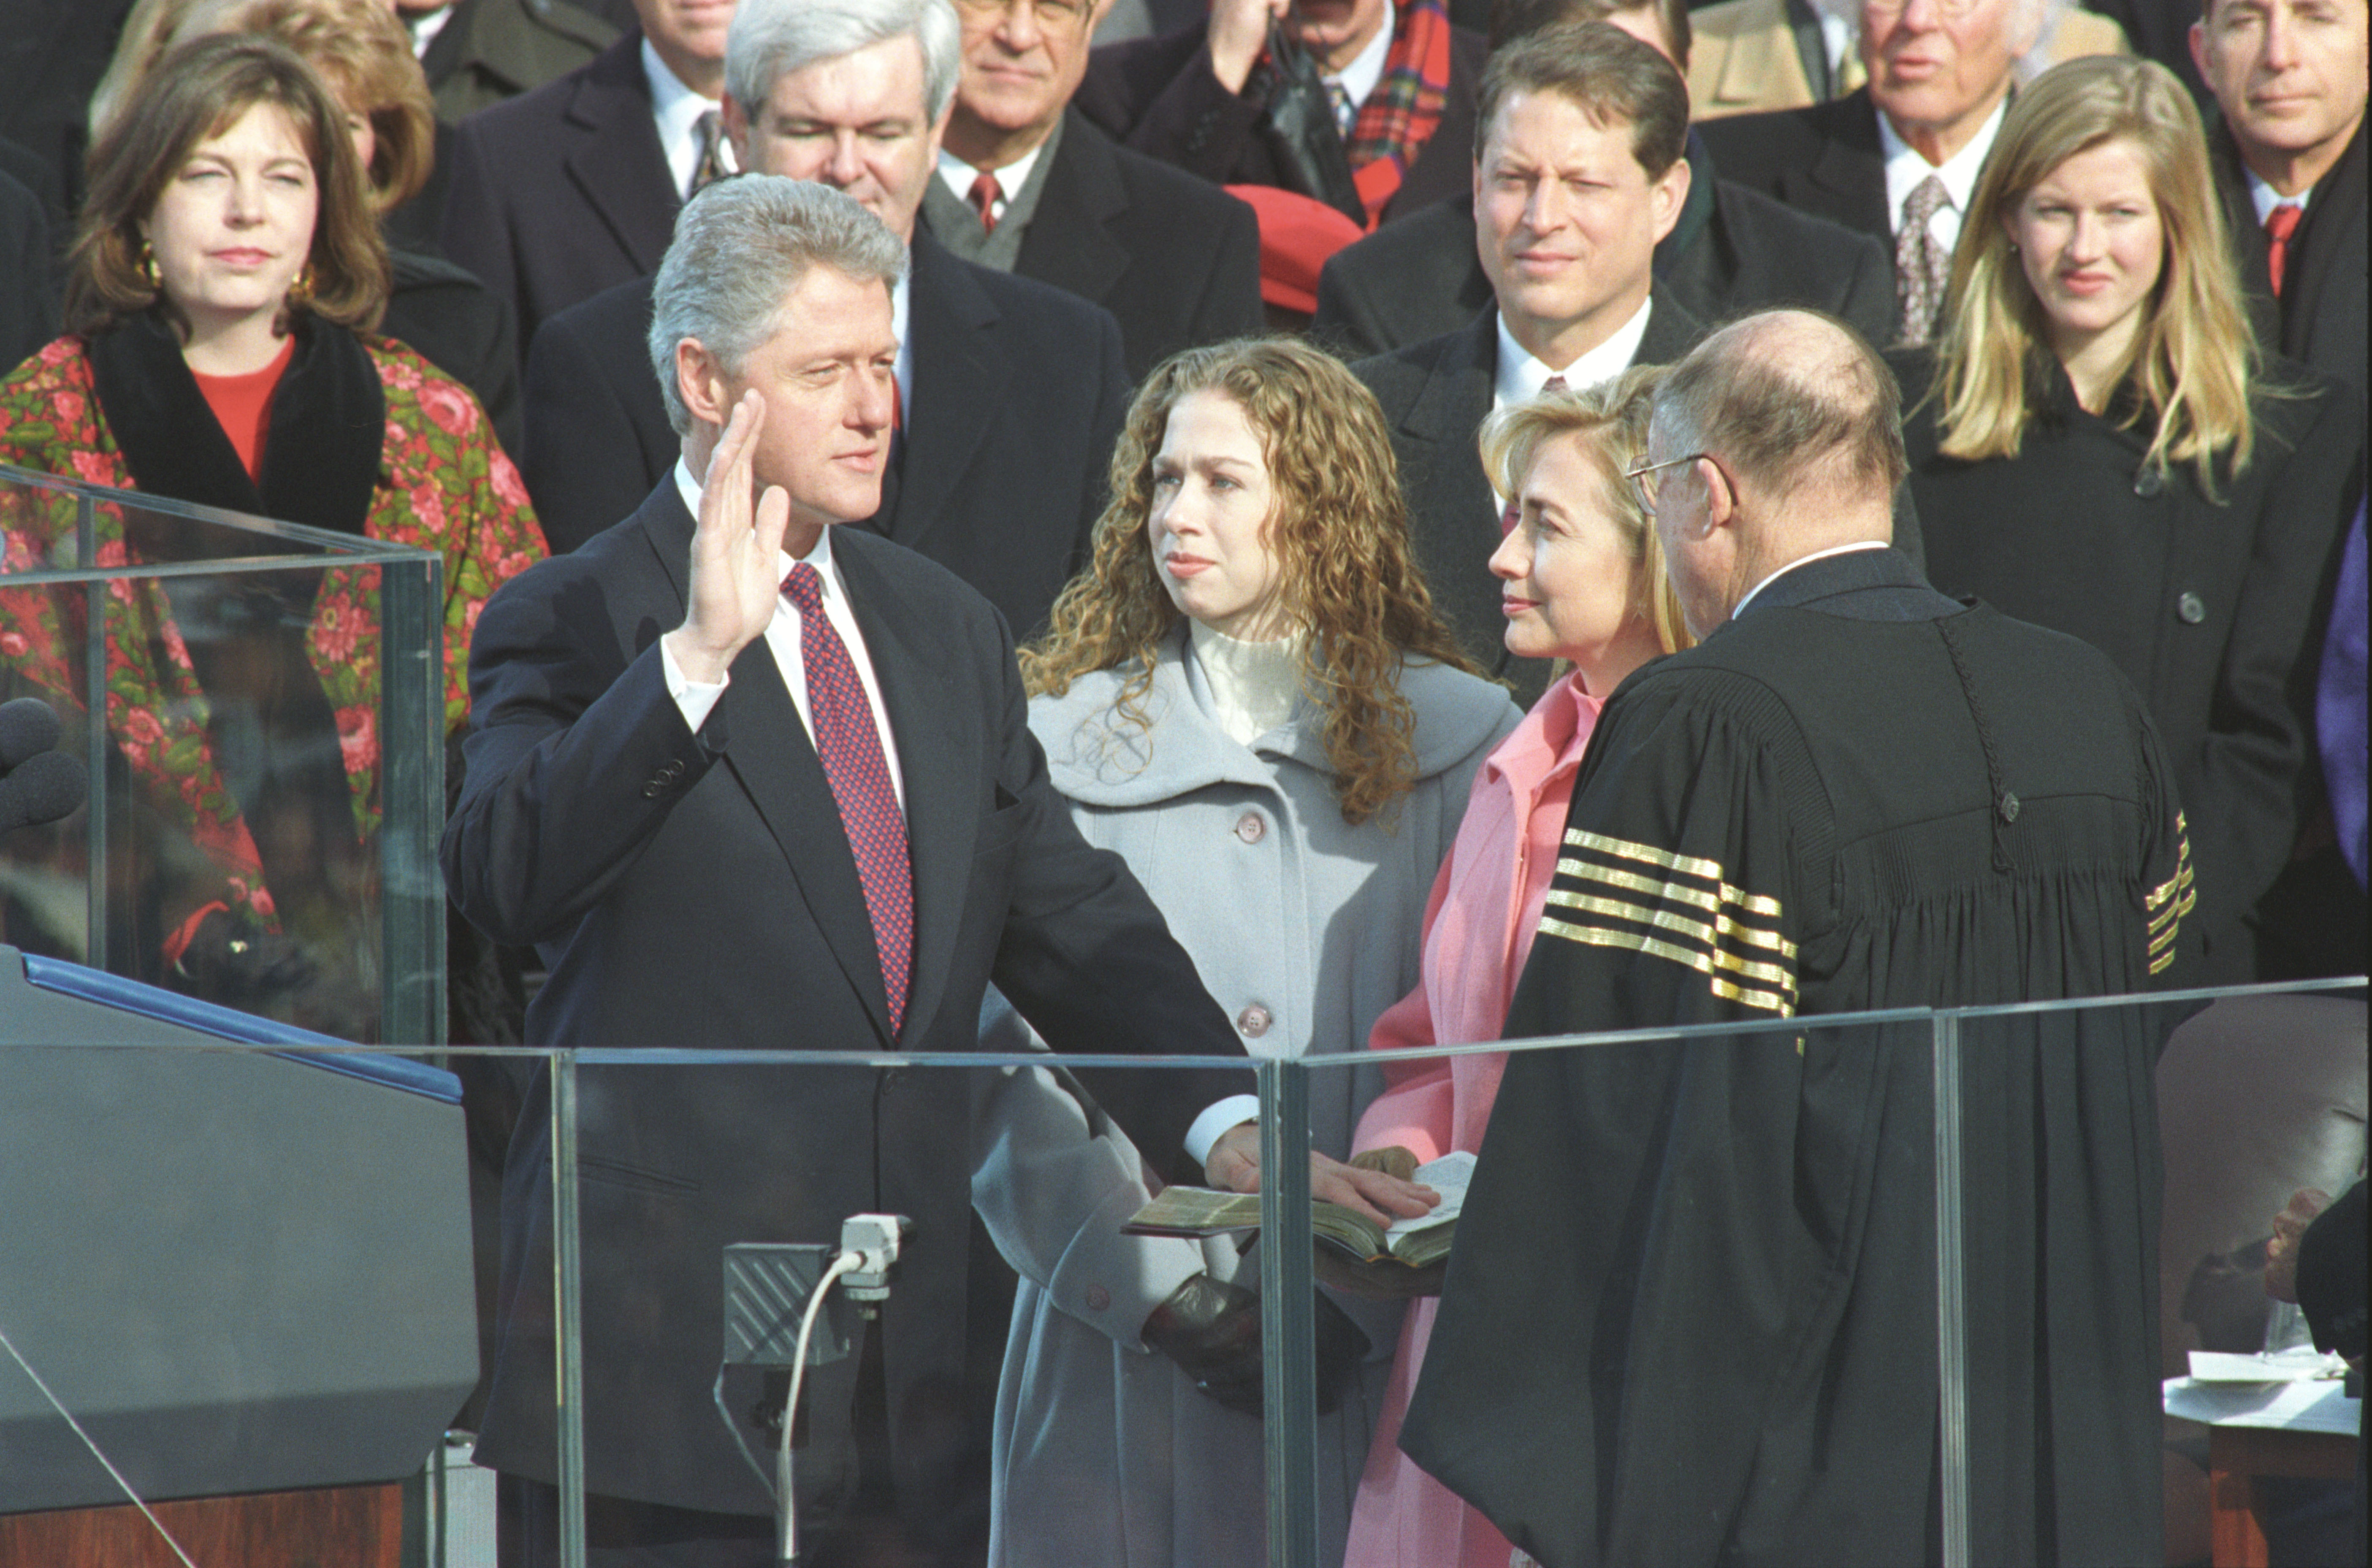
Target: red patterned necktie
column 2279, row 224
column 1513, row 512
column 850, row 748
column 984, row 194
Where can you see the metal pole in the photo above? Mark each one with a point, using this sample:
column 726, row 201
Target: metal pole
column 1951, row 1301
column 1289, row 1318
column 568, row 1303
column 95, row 823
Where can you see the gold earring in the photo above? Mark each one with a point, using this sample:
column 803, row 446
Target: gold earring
column 300, row 293
column 148, row 272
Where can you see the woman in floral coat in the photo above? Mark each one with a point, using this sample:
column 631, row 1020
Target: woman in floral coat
column 222, row 287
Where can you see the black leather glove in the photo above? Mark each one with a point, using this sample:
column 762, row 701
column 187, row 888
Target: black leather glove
column 1212, row 1330
column 232, row 960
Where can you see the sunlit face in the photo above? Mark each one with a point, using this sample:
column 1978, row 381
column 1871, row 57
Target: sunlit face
column 1569, row 587
column 1335, row 30
column 1568, row 220
column 2090, row 240
column 1209, row 529
column 2289, row 73
column 828, row 377
column 1022, row 59
column 234, row 225
column 1940, row 64
column 693, row 29
column 854, row 122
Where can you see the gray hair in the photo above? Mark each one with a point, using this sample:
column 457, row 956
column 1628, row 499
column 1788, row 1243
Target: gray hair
column 740, row 247
column 1782, row 408
column 770, row 39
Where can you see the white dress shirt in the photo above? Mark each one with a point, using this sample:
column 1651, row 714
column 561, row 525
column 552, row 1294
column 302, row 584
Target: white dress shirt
column 2267, row 198
column 676, row 111
column 1905, row 169
column 425, row 27
column 696, row 698
column 1521, row 377
column 958, row 176
column 1367, row 68
column 1800, row 560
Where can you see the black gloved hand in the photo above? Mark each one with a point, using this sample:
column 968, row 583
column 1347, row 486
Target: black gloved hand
column 1212, row 1330
column 232, row 960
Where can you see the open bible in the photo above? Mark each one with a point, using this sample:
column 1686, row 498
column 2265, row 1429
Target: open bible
column 1198, row 1212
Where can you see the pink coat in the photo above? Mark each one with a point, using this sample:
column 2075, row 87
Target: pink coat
column 1485, row 906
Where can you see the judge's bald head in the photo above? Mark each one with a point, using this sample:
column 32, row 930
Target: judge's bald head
column 1779, row 436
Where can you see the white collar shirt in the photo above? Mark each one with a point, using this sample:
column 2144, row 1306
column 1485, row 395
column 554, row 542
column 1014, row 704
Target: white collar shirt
column 1801, row 560
column 2267, row 198
column 1521, row 377
column 958, row 176
column 696, row 699
column 676, row 111
column 1367, row 68
column 1905, row 169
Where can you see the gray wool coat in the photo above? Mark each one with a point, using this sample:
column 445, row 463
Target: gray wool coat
column 1305, row 928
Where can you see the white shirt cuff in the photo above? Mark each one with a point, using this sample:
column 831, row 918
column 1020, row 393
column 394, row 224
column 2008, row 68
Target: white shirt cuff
column 694, row 699
column 1232, row 1112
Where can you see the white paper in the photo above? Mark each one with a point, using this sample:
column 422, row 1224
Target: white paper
column 2285, row 1366
column 2314, row 1406
column 1447, row 1176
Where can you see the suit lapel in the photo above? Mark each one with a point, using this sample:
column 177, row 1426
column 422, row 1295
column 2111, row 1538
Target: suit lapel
column 1847, row 181
column 618, row 166
column 1067, row 243
column 774, row 761
column 958, row 388
column 939, row 744
column 2334, row 216
column 1671, row 332
column 1453, row 492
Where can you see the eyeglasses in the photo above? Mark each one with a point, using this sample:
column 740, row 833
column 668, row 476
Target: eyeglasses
column 1051, row 14
column 1952, row 9
column 1647, row 488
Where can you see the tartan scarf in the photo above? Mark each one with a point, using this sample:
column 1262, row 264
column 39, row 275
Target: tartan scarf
column 1400, row 115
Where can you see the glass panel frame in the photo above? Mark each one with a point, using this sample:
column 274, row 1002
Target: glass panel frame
column 406, row 720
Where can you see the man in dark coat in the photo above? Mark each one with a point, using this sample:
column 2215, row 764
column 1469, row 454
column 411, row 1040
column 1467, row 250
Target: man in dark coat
column 1896, row 158
column 1854, row 794
column 2289, row 160
column 481, row 52
column 1571, row 282
column 1732, row 250
column 1012, row 392
column 1201, row 98
column 570, row 189
column 29, row 295
column 1176, row 262
column 709, row 861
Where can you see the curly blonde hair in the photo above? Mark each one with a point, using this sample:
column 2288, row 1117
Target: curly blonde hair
column 1340, row 533
column 2194, row 360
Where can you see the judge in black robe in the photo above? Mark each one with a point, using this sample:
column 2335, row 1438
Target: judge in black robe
column 1692, row 1315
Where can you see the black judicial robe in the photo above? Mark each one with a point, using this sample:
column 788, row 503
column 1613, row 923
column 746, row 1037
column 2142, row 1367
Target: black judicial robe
column 1691, row 1315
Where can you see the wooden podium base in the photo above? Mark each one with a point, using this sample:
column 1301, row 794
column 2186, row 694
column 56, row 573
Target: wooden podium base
column 330, row 1527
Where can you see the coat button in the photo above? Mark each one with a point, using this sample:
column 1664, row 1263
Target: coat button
column 653, row 790
column 1253, row 1021
column 2149, row 482
column 2191, row 608
column 1250, row 829
column 1098, row 1298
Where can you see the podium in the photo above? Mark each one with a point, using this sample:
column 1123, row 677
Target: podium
column 245, row 1271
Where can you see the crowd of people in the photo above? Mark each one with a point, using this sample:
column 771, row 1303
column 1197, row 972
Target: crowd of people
column 1249, row 529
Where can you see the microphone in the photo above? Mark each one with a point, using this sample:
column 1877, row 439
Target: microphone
column 42, row 789
column 27, row 728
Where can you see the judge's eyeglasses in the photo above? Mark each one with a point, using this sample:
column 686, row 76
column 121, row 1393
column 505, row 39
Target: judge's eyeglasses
column 1646, row 486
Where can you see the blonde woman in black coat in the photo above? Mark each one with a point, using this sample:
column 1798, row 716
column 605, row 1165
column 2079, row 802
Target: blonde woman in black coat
column 2097, row 447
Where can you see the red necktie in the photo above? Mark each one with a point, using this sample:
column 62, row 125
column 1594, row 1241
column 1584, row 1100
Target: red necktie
column 2279, row 224
column 850, row 748
column 984, row 197
column 1513, row 512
